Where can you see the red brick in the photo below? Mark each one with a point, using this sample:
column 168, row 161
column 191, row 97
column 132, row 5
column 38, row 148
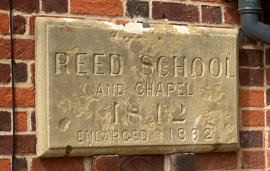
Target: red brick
column 5, row 73
column 268, row 143
column 268, row 76
column 251, row 98
column 96, row 7
column 24, row 97
column 19, row 24
column 23, row 48
column 5, row 121
column 4, row 5
column 4, row 24
column 20, row 72
column 211, row 14
column 25, row 144
column 216, row 161
column 252, row 160
column 33, row 73
column 21, row 121
column 20, row 164
column 5, row 144
column 253, row 118
column 57, row 164
column 32, row 25
column 142, row 163
column 4, row 48
column 251, row 77
column 267, row 56
column 268, row 96
column 231, row 15
column 250, row 57
column 33, row 121
column 251, row 139
column 5, row 165
column 105, row 162
column 26, row 5
column 268, row 118
column 59, row 6
column 175, row 11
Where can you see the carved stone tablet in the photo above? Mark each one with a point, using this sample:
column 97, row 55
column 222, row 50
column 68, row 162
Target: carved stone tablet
column 103, row 88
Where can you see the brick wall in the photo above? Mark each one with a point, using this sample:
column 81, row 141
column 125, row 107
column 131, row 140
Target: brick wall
column 254, row 70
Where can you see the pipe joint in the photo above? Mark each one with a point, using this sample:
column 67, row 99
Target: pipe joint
column 249, row 11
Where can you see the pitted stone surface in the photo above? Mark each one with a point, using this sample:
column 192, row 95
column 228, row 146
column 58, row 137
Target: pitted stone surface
column 103, row 88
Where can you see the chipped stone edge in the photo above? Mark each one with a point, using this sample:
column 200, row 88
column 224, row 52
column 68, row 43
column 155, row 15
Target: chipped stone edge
column 42, row 109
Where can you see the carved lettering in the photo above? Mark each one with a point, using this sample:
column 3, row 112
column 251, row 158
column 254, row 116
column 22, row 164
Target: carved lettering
column 61, row 63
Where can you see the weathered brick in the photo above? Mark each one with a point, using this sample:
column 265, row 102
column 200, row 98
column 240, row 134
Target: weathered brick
column 211, row 14
column 142, row 163
column 268, row 142
column 24, row 97
column 182, row 162
column 23, row 48
column 33, row 121
column 251, row 98
column 251, row 77
column 21, row 121
column 33, row 73
column 268, row 76
column 105, row 162
column 58, row 164
column 268, row 117
column 175, row 11
column 267, row 56
column 20, row 164
column 5, row 165
column 252, row 160
column 5, row 121
column 97, row 7
column 250, row 57
column 5, row 73
column 32, row 25
column 4, row 48
column 5, row 144
column 4, row 5
column 137, row 8
column 253, row 118
column 251, row 139
column 231, row 15
column 19, row 24
column 20, row 72
column 4, row 24
column 25, row 144
column 26, row 5
column 59, row 6
column 268, row 96
column 216, row 161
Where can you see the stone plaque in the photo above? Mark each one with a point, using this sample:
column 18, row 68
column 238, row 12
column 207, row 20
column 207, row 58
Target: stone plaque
column 103, row 88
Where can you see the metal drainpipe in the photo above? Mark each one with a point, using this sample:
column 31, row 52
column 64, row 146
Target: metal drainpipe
column 249, row 11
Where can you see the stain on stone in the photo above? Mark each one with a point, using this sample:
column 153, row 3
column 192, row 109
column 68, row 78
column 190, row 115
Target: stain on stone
column 64, row 124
